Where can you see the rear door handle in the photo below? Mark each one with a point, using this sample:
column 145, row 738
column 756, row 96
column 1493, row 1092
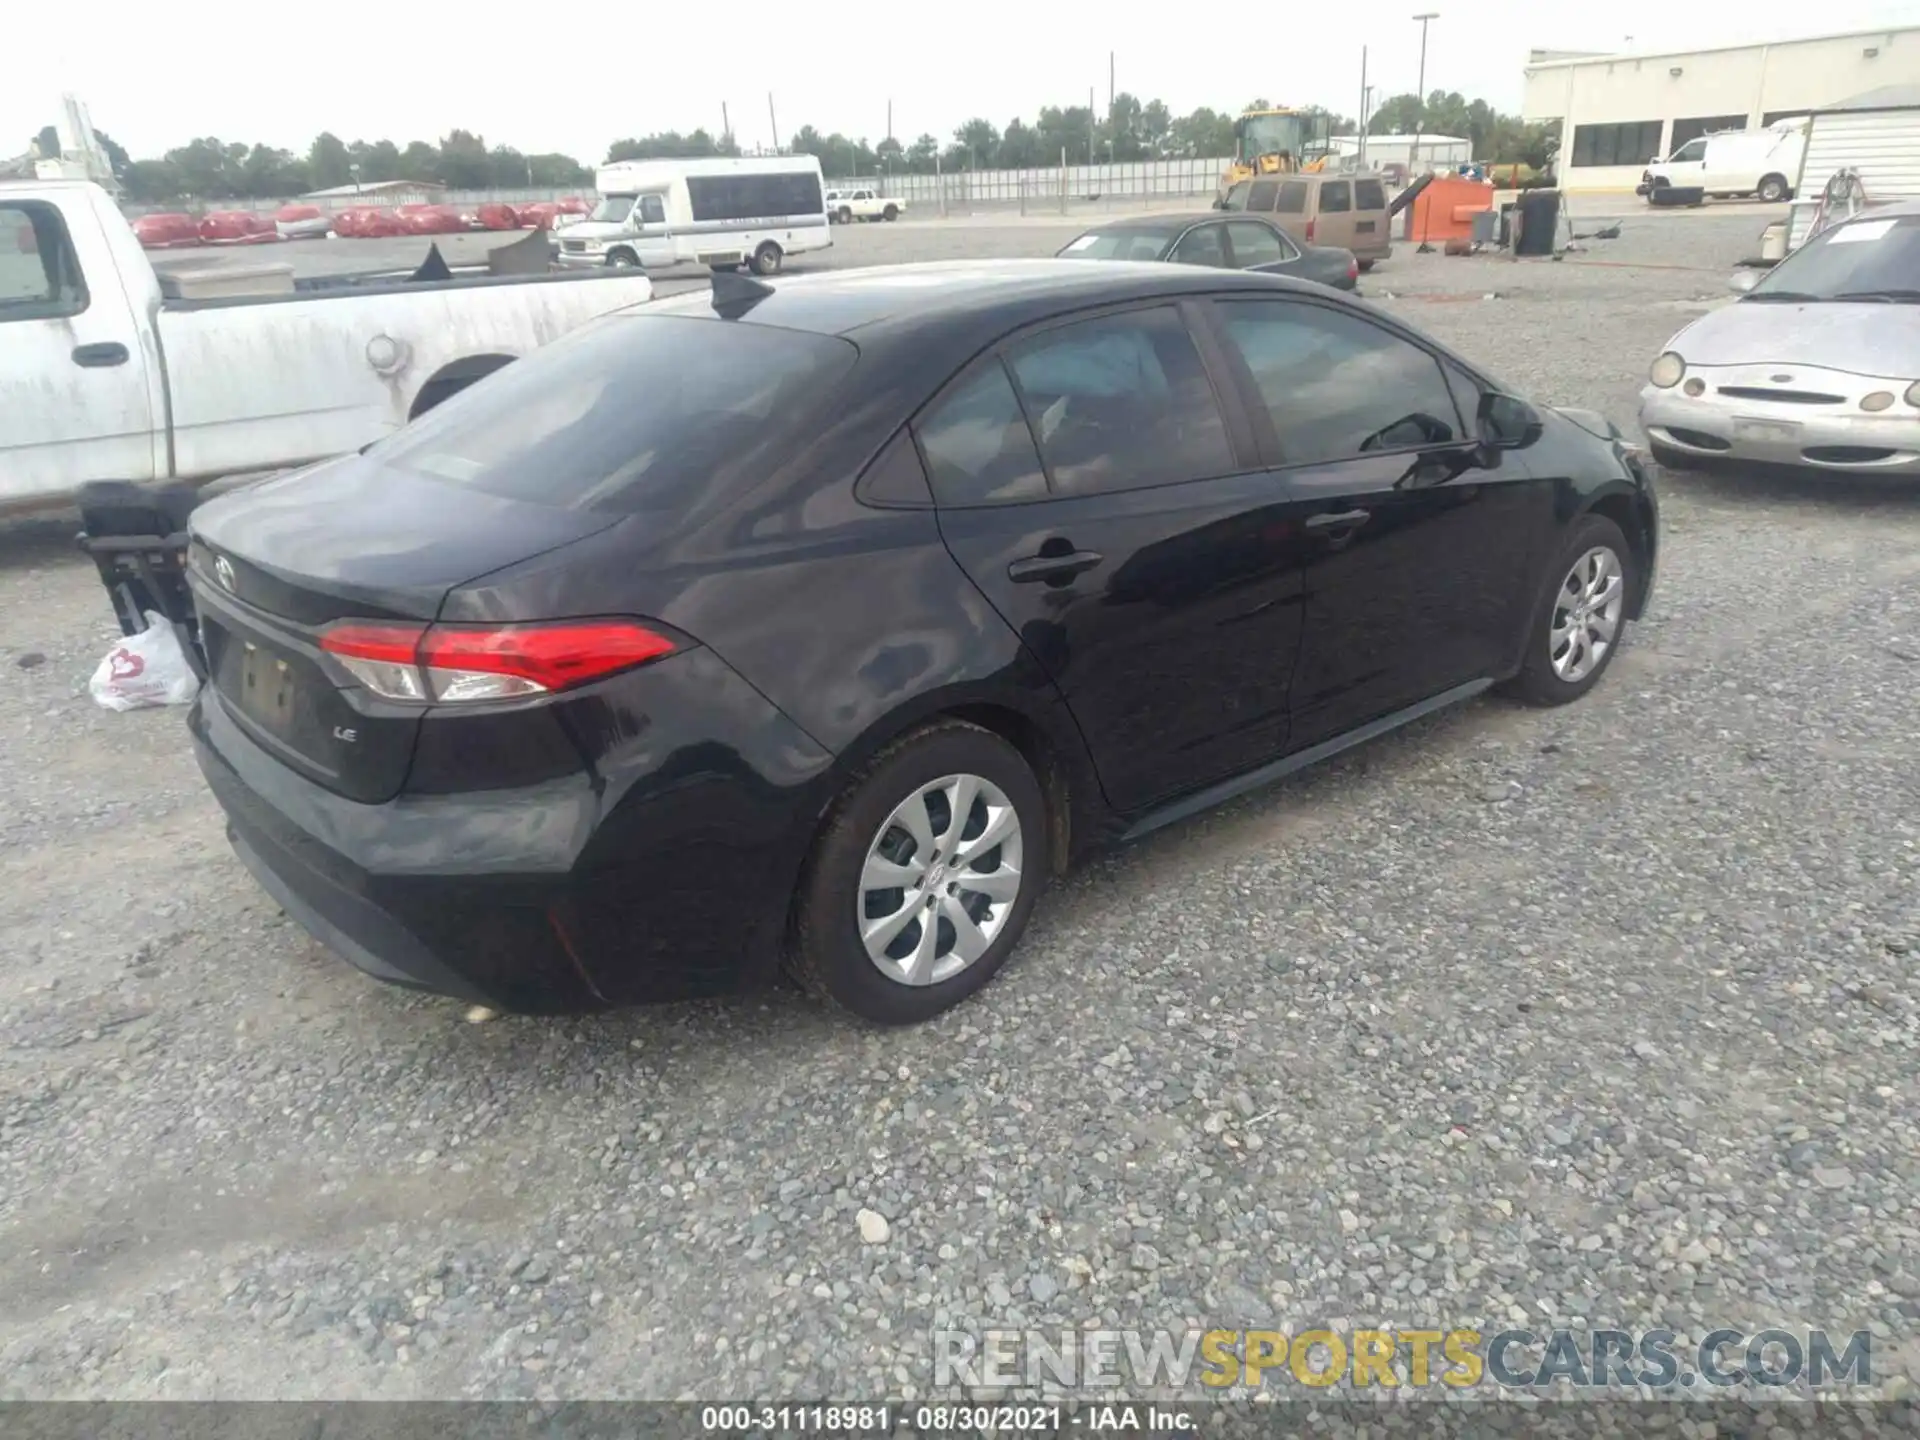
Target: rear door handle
column 96, row 357
column 1343, row 520
column 1052, row 568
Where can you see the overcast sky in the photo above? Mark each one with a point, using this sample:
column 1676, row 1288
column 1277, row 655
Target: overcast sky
column 156, row 75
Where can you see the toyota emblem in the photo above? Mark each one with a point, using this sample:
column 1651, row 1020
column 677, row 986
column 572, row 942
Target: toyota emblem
column 223, row 571
column 1781, row 379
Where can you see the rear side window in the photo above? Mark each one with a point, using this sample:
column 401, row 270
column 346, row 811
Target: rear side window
column 1255, row 244
column 1201, row 246
column 1369, row 195
column 1293, row 198
column 979, row 450
column 634, row 412
column 753, row 197
column 39, row 274
column 1336, row 197
column 1121, row 403
column 1261, row 197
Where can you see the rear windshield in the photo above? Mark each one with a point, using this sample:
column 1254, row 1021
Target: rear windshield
column 635, row 412
column 1117, row 245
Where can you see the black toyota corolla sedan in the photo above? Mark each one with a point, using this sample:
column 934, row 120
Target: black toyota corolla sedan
column 820, row 623
column 1244, row 242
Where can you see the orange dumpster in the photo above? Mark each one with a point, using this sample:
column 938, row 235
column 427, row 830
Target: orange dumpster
column 1445, row 209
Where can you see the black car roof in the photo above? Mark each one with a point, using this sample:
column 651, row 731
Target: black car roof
column 960, row 295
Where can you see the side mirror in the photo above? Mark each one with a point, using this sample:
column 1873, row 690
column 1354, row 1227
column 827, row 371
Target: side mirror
column 1742, row 281
column 1508, row 422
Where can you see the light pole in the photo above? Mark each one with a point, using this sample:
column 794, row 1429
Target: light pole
column 1413, row 151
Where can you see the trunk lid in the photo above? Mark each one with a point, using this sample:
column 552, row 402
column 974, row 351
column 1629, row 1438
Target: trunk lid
column 273, row 565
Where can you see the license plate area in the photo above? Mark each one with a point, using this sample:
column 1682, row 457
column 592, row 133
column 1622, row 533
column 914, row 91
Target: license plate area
column 1767, row 432
column 263, row 684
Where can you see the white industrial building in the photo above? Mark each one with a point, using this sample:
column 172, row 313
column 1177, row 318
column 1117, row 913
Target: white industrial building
column 1439, row 151
column 1617, row 112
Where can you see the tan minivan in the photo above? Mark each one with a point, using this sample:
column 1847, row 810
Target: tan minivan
column 1345, row 210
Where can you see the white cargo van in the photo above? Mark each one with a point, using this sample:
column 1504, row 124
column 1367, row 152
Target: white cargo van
column 721, row 212
column 1764, row 162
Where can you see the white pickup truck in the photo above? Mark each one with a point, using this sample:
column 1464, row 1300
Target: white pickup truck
column 106, row 373
column 846, row 206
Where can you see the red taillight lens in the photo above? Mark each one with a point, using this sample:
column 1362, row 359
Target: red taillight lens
column 458, row 663
column 1309, row 232
column 1353, row 270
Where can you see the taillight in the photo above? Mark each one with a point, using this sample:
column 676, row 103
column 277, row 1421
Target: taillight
column 450, row 664
column 1309, row 232
column 1353, row 269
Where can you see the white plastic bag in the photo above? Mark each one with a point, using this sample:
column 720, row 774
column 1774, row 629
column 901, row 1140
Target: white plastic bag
column 145, row 669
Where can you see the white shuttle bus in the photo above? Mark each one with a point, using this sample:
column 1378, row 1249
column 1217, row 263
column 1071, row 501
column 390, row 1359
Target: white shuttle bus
column 724, row 213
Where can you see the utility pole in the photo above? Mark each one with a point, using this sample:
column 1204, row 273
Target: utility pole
column 1110, row 98
column 1093, row 126
column 726, row 125
column 889, row 119
column 774, row 122
column 1363, row 107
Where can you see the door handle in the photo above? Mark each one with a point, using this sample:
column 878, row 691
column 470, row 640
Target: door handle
column 95, row 357
column 1343, row 520
column 1053, row 569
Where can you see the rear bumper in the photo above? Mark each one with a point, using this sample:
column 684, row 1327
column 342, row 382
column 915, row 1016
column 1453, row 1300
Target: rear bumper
column 666, row 875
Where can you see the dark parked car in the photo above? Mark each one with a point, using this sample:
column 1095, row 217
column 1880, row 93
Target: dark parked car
column 1246, row 242
column 826, row 621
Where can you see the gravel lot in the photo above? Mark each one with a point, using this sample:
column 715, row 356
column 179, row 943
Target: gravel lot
column 1598, row 1017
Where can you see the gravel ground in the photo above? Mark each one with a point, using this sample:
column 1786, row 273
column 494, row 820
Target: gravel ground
column 1599, row 1017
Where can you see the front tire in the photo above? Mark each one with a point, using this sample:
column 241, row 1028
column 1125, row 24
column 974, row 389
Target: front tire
column 766, row 260
column 622, row 260
column 921, row 882
column 1580, row 618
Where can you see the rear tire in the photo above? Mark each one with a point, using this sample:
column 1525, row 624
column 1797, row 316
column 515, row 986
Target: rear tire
column 915, row 783
column 891, row 213
column 1580, row 617
column 766, row 260
column 1774, row 189
column 844, row 215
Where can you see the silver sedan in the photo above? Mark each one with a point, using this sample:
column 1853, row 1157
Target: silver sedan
column 1816, row 366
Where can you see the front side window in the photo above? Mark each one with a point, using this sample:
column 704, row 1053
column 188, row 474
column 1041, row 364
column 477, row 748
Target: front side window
column 653, row 210
column 1336, row 386
column 1121, row 402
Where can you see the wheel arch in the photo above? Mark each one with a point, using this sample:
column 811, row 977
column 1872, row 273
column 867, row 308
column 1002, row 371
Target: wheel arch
column 1628, row 509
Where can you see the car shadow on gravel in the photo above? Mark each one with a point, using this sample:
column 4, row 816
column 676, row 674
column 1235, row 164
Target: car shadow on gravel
column 1786, row 485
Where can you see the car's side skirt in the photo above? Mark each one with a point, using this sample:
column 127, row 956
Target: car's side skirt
column 1189, row 805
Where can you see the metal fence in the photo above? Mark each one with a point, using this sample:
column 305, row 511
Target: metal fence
column 959, row 191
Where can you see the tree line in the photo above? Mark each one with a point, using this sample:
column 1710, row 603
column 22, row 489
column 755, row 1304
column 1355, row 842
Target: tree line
column 1132, row 130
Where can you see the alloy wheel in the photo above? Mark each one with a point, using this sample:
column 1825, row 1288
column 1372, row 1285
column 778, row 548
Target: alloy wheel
column 1586, row 614
column 940, row 880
